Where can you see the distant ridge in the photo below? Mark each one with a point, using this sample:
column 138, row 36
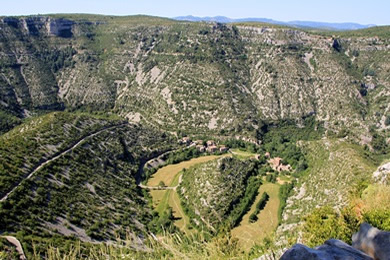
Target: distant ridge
column 300, row 24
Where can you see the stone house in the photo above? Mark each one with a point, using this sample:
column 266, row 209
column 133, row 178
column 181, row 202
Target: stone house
column 212, row 149
column 223, row 148
column 210, row 143
column 201, row 148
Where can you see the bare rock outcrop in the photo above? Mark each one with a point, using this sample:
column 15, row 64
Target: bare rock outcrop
column 373, row 242
column 382, row 174
column 333, row 249
column 368, row 243
column 37, row 25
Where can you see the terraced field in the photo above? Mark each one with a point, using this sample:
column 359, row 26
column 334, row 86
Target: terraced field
column 250, row 233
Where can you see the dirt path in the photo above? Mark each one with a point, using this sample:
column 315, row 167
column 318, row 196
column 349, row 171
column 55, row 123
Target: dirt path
column 18, row 245
column 163, row 187
column 58, row 156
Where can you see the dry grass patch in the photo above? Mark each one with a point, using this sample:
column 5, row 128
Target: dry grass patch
column 157, row 196
column 242, row 154
column 248, row 233
column 168, row 173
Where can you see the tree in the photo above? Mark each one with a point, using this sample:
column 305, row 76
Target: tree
column 253, row 218
column 387, row 121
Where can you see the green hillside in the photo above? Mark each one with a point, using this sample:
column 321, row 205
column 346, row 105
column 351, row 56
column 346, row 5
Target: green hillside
column 86, row 101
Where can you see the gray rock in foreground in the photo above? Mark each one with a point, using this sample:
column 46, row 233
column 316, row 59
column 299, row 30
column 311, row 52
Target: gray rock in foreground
column 372, row 241
column 332, row 250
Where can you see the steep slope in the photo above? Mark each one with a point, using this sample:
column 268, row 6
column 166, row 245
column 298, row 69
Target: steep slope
column 90, row 191
column 29, row 145
column 197, row 77
column 335, row 170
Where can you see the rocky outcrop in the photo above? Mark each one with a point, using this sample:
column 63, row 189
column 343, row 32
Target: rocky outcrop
column 368, row 243
column 381, row 175
column 262, row 73
column 373, row 242
column 61, row 27
column 337, row 45
column 40, row 25
column 332, row 249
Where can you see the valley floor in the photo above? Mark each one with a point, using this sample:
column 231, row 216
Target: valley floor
column 248, row 233
column 170, row 175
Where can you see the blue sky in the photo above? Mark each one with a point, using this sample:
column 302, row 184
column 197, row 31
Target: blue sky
column 364, row 12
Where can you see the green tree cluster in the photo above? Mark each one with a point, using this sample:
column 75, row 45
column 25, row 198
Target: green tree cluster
column 260, row 205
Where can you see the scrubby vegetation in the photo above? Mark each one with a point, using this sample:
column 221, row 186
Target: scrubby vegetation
column 370, row 204
column 41, row 138
column 307, row 97
column 8, row 121
column 232, row 188
column 75, row 194
column 259, row 207
column 7, row 250
column 325, row 223
column 284, row 193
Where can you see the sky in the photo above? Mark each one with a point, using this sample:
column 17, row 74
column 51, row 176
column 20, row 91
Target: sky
column 359, row 11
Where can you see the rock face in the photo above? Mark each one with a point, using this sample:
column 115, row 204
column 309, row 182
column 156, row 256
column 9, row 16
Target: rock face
column 332, row 249
column 368, row 243
column 381, row 175
column 61, row 27
column 37, row 25
column 373, row 242
column 195, row 77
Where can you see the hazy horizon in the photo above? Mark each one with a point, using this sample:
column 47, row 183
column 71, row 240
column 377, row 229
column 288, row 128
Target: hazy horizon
column 331, row 11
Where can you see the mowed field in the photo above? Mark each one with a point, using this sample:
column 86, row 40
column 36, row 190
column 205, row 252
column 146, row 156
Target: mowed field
column 170, row 175
column 250, row 233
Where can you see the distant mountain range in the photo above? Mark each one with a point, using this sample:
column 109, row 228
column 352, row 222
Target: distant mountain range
column 300, row 24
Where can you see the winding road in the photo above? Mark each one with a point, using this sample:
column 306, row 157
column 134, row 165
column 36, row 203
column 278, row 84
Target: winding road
column 162, row 187
column 58, row 156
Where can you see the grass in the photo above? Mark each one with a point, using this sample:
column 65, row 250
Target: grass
column 181, row 219
column 250, row 233
column 175, row 181
column 157, row 196
column 168, row 173
column 162, row 199
column 282, row 179
column 240, row 154
column 170, row 246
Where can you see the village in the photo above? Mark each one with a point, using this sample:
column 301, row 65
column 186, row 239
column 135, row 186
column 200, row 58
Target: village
column 211, row 146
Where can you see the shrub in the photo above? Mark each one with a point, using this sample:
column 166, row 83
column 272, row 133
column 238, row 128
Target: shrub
column 387, row 121
column 259, row 207
column 325, row 223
